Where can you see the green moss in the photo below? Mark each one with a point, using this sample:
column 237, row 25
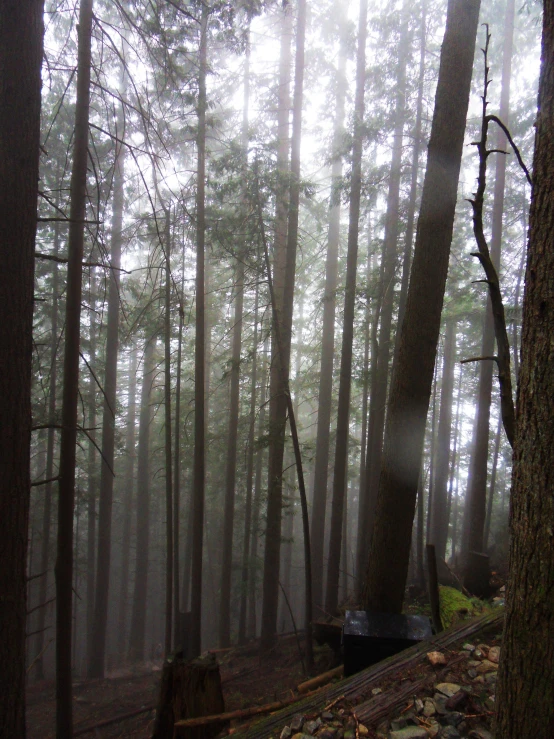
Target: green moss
column 455, row 606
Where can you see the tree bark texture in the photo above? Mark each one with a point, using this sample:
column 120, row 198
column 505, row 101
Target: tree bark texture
column 343, row 413
column 21, row 33
column 70, row 385
column 525, row 696
column 92, row 483
column 413, row 376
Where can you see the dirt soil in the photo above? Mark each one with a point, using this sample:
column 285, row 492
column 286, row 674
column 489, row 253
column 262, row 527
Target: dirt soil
column 245, row 679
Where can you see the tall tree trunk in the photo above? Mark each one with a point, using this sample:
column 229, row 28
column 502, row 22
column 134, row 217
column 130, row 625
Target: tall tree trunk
column 246, row 569
column 439, row 521
column 454, row 464
column 21, row 32
column 66, row 496
column 138, row 617
column 49, row 471
column 92, row 488
column 230, row 481
column 277, row 407
column 412, row 198
column 177, row 461
column 97, row 662
column 475, row 510
column 343, row 415
column 492, row 487
column 199, row 481
column 378, row 403
column 128, row 501
column 362, row 539
column 319, row 502
column 257, row 502
column 413, row 375
column 167, row 424
column 525, row 705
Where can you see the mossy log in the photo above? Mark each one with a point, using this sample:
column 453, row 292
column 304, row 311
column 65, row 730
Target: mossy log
column 189, row 689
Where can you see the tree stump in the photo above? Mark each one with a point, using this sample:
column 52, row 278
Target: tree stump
column 478, row 574
column 189, row 689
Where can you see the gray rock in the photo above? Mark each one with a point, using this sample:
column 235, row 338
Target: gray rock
column 449, row 732
column 440, row 704
column 490, row 678
column 472, row 673
column 398, row 723
column 468, row 647
column 418, row 705
column 327, row 716
column 454, row 718
column 410, row 732
column 310, row 727
column 480, row 733
column 297, row 721
column 447, row 689
column 429, row 708
column 286, row 733
column 327, row 732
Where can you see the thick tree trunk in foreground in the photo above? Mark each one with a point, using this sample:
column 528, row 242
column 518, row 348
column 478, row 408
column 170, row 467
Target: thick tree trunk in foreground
column 64, row 561
column 100, row 624
column 526, row 685
column 199, row 480
column 21, row 31
column 325, row 402
column 138, row 618
column 343, row 414
column 413, row 376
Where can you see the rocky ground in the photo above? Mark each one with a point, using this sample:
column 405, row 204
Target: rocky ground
column 459, row 704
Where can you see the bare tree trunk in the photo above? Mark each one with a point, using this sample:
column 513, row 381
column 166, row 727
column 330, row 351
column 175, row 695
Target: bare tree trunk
column 247, row 570
column 199, row 481
column 475, row 509
column 319, row 502
column 49, row 471
column 138, row 617
column 492, row 487
column 525, row 706
column 277, row 407
column 230, row 481
column 66, row 496
column 128, row 502
column 251, row 629
column 92, row 490
column 21, row 32
column 97, row 660
column 454, row 464
column 413, row 375
column 343, row 415
column 439, row 520
column 167, row 423
column 177, row 463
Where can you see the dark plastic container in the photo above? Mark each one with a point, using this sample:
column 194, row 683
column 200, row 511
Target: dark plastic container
column 368, row 637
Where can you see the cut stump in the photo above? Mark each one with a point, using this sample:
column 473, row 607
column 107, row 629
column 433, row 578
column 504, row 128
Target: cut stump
column 189, row 689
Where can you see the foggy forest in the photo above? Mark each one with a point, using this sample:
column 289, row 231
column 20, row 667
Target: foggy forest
column 276, row 345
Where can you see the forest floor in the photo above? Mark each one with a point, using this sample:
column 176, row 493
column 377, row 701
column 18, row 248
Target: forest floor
column 248, row 681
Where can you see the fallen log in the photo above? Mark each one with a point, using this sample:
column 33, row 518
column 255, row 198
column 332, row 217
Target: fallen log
column 240, row 713
column 319, row 680
column 357, row 686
